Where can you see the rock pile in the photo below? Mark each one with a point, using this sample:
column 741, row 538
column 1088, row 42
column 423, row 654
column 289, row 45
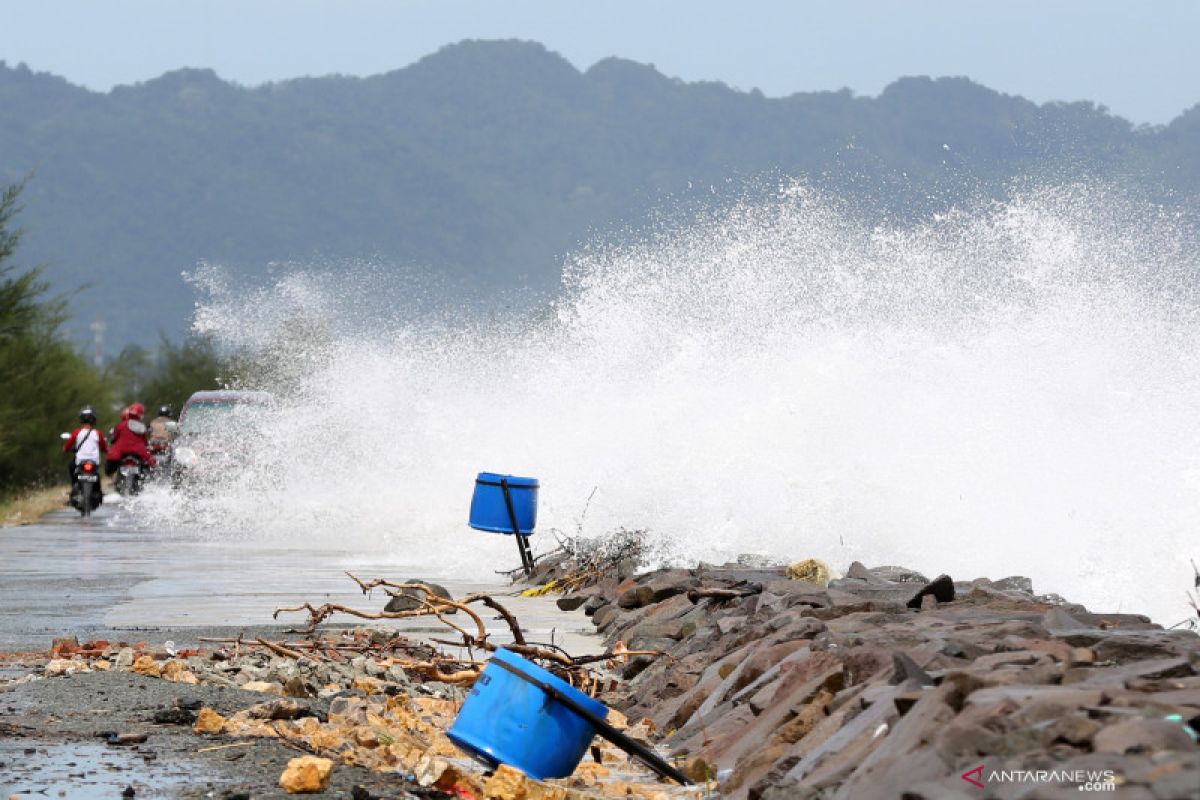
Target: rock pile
column 368, row 710
column 883, row 684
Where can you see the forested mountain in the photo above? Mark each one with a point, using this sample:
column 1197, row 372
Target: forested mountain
column 486, row 163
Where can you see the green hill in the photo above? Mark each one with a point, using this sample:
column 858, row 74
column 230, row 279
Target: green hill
column 485, row 163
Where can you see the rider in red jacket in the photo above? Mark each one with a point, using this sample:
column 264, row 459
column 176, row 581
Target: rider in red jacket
column 129, row 439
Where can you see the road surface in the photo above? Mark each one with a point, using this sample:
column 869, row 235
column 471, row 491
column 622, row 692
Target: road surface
column 108, row 577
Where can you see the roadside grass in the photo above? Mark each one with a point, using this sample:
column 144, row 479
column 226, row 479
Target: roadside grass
column 28, row 506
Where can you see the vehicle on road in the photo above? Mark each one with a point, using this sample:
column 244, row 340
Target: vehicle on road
column 131, row 475
column 85, row 488
column 215, row 429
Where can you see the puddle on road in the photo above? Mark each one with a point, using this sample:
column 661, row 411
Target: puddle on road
column 32, row 768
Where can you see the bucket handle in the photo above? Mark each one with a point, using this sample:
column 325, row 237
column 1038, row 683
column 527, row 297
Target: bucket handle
column 522, row 542
column 635, row 748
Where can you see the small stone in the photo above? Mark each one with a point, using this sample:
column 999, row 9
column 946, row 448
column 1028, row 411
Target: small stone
column 367, row 685
column 698, row 770
column 125, row 658
column 306, row 774
column 174, row 716
column 396, row 674
column 507, row 783
column 412, row 599
column 209, row 721
column 1074, row 729
column 278, row 709
column 64, row 646
column 1014, row 583
column 262, row 686
column 1081, row 655
column 145, row 665
column 859, row 571
column 605, row 615
column 572, row 601
column 64, row 666
column 810, row 570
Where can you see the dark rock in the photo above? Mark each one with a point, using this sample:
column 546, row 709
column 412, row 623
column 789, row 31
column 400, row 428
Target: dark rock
column 1060, row 619
column 898, row 575
column 174, row 716
column 636, row 597
column 875, row 590
column 1142, row 735
column 572, row 601
column 279, row 709
column 941, row 589
column 858, row 571
column 1020, row 693
column 594, row 603
column 670, row 583
column 1074, row 729
column 127, row 739
column 904, row 669
column 605, row 615
column 636, row 666
column 671, row 631
column 1014, row 583
column 1126, row 647
column 411, row 599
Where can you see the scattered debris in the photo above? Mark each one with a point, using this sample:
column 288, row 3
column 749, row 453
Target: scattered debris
column 759, row 682
column 306, row 774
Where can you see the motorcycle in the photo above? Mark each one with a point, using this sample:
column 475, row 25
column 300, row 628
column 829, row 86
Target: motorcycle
column 164, row 455
column 131, row 475
column 85, row 488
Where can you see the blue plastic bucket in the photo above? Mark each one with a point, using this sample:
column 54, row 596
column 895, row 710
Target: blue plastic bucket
column 508, row 720
column 489, row 511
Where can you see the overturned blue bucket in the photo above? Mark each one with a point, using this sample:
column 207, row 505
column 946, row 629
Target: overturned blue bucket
column 520, row 714
column 489, row 509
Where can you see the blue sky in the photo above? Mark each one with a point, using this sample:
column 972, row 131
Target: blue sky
column 1142, row 60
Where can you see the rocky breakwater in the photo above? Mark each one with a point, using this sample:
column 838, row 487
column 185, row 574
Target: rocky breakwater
column 883, row 684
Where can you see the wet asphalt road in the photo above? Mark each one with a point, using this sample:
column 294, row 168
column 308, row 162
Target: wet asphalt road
column 109, row 578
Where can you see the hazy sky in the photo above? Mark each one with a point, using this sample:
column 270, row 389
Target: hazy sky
column 1142, row 60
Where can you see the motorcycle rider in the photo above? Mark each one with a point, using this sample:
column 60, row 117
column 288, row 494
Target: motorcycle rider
column 129, row 439
column 160, row 429
column 86, row 442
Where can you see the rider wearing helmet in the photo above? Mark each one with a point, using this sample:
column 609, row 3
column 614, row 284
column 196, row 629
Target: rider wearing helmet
column 85, row 442
column 161, row 430
column 129, row 439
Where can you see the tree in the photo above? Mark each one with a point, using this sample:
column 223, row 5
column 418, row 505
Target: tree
column 45, row 381
column 182, row 369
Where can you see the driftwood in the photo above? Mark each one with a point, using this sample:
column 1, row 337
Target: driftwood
column 570, row 667
column 279, row 649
